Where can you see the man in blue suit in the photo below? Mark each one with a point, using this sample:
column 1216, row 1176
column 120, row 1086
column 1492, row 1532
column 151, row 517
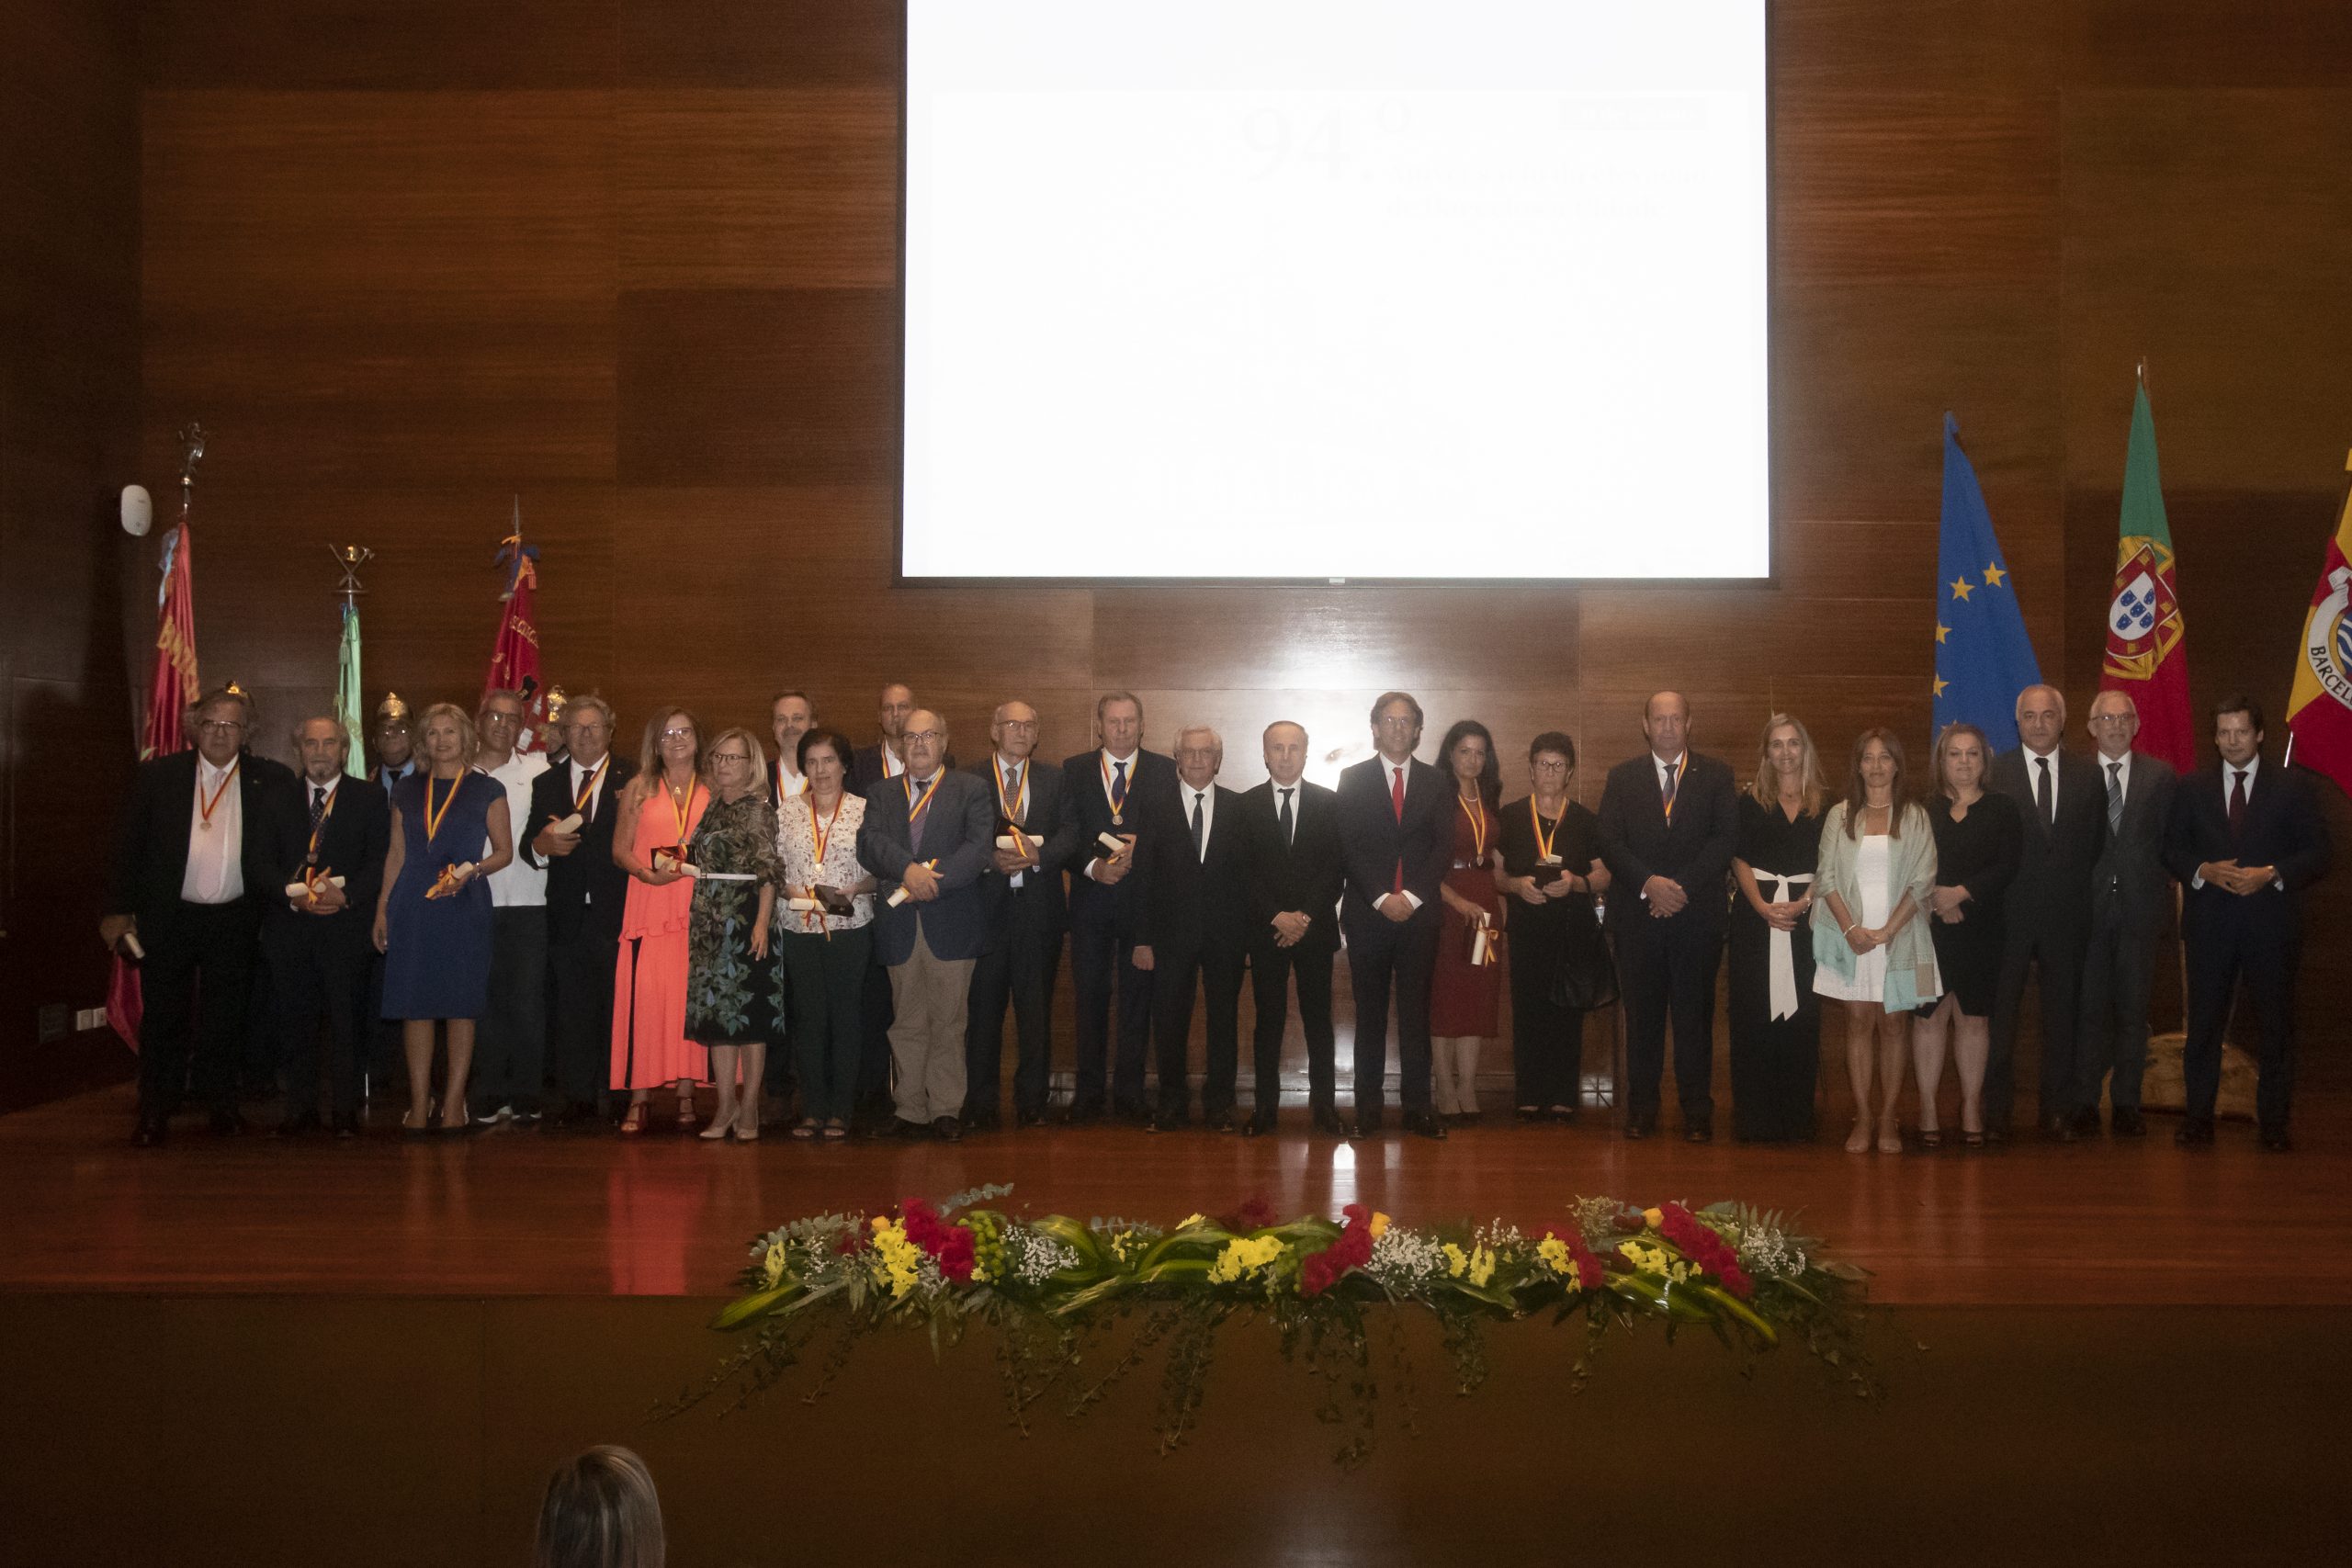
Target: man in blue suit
column 929, row 838
column 2247, row 839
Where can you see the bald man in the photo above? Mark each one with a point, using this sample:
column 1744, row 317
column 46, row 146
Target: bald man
column 2131, row 895
column 2047, row 914
column 1035, row 840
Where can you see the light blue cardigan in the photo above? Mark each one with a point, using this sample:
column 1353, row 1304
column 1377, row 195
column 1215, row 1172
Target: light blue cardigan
column 1911, row 978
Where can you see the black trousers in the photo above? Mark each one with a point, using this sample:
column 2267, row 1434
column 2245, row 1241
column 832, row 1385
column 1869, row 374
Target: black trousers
column 511, row 1041
column 877, row 1011
column 1386, row 955
column 2111, row 1037
column 1546, row 1040
column 1101, row 963
column 2216, row 959
column 581, row 972
column 1178, row 969
column 828, row 997
column 2056, row 955
column 1020, row 969
column 1666, row 970
column 193, row 988
column 318, row 974
column 1273, row 971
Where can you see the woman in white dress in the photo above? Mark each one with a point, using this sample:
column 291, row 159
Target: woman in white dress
column 1876, row 870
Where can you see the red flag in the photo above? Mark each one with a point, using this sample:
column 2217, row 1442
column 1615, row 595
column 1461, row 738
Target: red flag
column 2319, row 711
column 514, row 659
column 2147, row 656
column 173, row 686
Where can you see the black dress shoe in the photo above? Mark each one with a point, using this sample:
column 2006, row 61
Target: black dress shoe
column 1260, row 1124
column 948, row 1129
column 1701, row 1132
column 2274, row 1139
column 1025, row 1120
column 1168, row 1122
column 981, row 1122
column 2086, row 1121
column 1135, row 1115
column 294, row 1126
column 1638, row 1127
column 346, row 1128
column 1367, row 1125
column 1425, row 1124
column 1226, row 1121
column 2125, row 1121
column 900, row 1127
column 228, row 1124
column 1326, row 1121
column 2058, row 1128
column 149, row 1132
column 2193, row 1130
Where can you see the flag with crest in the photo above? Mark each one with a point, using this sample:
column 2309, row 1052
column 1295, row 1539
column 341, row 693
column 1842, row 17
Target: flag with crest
column 2147, row 651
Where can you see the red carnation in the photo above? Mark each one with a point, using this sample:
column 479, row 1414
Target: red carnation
column 1255, row 1214
column 1351, row 1249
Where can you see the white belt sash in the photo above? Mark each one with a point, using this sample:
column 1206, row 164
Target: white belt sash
column 1783, row 890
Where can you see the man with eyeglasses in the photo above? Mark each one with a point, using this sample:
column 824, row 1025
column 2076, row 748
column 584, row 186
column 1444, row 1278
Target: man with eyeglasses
column 2131, row 895
column 199, row 853
column 1195, row 896
column 511, row 1041
column 574, row 808
column 1395, row 828
column 1036, row 835
column 1108, row 789
column 927, row 839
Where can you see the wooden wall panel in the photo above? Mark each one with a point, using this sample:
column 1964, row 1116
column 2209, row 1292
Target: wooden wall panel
column 634, row 260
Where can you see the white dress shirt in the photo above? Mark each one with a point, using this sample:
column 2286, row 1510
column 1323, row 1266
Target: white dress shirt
column 520, row 885
column 216, row 865
column 1204, row 801
column 2033, row 761
column 789, row 785
column 892, row 764
column 580, row 777
column 2230, row 774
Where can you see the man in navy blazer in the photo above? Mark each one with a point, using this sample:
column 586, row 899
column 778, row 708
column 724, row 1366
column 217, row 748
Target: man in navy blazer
column 587, row 893
column 1395, row 832
column 1195, row 893
column 929, row 835
column 1297, row 868
column 1107, row 789
column 2247, row 839
column 319, row 943
column 1669, row 820
column 1026, row 917
column 197, row 859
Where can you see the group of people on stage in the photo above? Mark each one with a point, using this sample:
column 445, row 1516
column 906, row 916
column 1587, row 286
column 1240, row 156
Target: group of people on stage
column 573, row 929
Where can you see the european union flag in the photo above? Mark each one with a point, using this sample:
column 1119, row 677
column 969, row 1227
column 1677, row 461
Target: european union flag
column 1982, row 657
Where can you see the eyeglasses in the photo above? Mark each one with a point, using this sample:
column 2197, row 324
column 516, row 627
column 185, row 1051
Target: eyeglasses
column 2114, row 718
column 923, row 735
column 718, row 757
column 681, row 734
column 1397, row 721
column 221, row 726
column 1552, row 765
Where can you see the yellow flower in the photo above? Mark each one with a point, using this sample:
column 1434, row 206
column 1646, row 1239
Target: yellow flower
column 772, row 1267
column 1242, row 1254
column 1652, row 1218
column 1555, row 1253
column 1456, row 1260
column 899, row 1260
column 1648, row 1260
column 1482, row 1265
column 1379, row 1224
column 1192, row 1220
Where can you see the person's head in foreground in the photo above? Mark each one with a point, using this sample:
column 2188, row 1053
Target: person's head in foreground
column 599, row 1512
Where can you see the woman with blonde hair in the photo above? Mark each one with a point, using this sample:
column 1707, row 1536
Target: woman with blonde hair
column 1775, row 1022
column 1979, row 840
column 600, row 1511
column 659, row 813
column 433, row 918
column 728, row 971
column 1872, row 879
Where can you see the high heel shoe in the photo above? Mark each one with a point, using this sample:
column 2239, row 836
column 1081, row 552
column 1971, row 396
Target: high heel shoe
column 721, row 1125
column 686, row 1117
column 634, row 1123
column 746, row 1125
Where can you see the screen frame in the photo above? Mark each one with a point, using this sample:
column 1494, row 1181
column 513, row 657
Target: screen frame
column 1769, row 578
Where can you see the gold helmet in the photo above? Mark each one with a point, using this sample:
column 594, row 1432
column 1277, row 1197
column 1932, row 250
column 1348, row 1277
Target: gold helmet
column 391, row 710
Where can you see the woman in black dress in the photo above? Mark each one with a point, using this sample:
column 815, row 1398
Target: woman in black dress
column 1775, row 1017
column 1552, row 870
column 1979, row 837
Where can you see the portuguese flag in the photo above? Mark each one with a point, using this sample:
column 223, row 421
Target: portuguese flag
column 2319, row 714
column 2146, row 659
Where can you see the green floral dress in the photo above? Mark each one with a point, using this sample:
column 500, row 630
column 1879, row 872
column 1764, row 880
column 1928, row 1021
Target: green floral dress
column 728, row 990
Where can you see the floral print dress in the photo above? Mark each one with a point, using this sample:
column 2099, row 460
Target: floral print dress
column 728, row 990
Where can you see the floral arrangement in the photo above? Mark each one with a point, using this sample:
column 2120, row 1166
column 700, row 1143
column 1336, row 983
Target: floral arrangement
column 1053, row 1287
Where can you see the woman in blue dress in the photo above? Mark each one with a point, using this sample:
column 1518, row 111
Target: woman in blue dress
column 449, row 833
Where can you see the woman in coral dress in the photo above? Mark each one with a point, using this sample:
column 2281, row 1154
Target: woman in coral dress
column 660, row 811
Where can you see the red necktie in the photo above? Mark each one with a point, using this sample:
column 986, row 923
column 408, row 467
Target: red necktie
column 2237, row 804
column 1397, row 801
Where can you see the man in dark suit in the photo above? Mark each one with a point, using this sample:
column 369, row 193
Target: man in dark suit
column 1669, row 820
column 1026, row 917
column 885, row 759
column 1107, row 789
column 1194, row 889
column 2131, row 895
column 586, row 894
column 2047, row 914
column 1297, row 868
column 394, row 746
column 318, row 941
column 1396, row 839
column 2247, row 839
column 197, row 858
column 928, row 834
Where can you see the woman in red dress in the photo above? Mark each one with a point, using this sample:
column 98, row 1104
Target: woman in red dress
column 660, row 811
column 1465, row 997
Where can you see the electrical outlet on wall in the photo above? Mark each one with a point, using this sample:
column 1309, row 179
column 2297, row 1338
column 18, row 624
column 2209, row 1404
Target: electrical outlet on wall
column 90, row 1018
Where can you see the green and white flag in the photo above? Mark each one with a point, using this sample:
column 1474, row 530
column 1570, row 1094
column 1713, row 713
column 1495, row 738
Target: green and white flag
column 346, row 693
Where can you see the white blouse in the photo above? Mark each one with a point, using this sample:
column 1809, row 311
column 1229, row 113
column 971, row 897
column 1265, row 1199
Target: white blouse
column 795, row 846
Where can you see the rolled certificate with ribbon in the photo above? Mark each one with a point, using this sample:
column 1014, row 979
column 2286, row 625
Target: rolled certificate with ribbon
column 1015, row 842
column 673, row 857
column 802, row 906
column 1483, row 940
column 1112, row 844
column 565, row 824
column 310, row 882
column 451, row 881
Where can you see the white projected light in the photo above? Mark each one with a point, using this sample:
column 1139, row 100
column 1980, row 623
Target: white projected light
column 1335, row 289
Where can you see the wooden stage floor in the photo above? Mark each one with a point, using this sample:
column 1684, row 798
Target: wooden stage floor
column 533, row 1214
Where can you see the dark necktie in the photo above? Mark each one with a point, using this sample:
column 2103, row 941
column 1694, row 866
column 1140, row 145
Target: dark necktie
column 1397, row 799
column 2042, row 795
column 2115, row 798
column 1200, row 842
column 2237, row 802
column 1118, row 788
column 318, row 810
column 1665, row 792
column 1290, row 823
